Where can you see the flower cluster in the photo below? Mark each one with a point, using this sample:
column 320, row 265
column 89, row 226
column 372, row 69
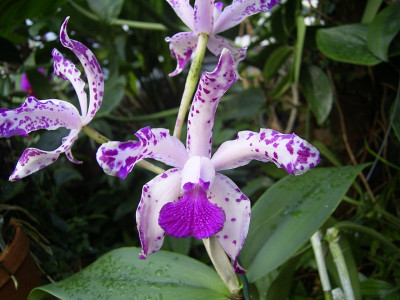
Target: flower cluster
column 192, row 198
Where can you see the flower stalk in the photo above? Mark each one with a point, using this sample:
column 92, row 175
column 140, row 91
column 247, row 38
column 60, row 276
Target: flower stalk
column 221, row 263
column 191, row 82
column 319, row 257
column 332, row 236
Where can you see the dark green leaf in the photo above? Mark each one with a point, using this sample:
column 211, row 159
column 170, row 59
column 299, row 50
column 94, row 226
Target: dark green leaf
column 275, row 61
column 346, row 43
column 40, row 84
column 245, row 104
column 382, row 30
column 64, row 174
column 378, row 288
column 289, row 212
column 120, row 274
column 107, row 10
column 113, row 94
column 8, row 51
column 317, row 91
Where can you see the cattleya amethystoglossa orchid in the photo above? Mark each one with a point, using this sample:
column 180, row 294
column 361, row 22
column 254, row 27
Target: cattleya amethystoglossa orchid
column 192, row 199
column 53, row 113
column 210, row 18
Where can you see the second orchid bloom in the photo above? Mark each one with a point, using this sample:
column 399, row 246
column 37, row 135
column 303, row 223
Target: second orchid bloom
column 193, row 199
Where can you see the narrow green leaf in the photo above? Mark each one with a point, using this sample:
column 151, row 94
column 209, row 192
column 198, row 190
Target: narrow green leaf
column 120, row 274
column 282, row 86
column 317, row 91
column 289, row 212
column 382, row 30
column 113, row 95
column 370, row 10
column 346, row 43
column 275, row 61
column 301, row 33
column 107, row 10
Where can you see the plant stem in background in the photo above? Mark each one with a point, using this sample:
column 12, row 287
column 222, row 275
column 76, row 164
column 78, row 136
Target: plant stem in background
column 222, row 264
column 332, row 236
column 101, row 139
column 191, row 82
column 322, row 271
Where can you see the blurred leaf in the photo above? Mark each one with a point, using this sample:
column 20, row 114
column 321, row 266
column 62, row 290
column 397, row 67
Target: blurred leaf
column 64, row 174
column 40, row 84
column 396, row 116
column 379, row 288
column 346, row 43
column 317, row 91
column 120, row 274
column 113, row 94
column 282, row 86
column 382, row 30
column 370, row 10
column 107, row 10
column 245, row 104
column 302, row 203
column 280, row 287
column 179, row 245
column 14, row 13
column 275, row 61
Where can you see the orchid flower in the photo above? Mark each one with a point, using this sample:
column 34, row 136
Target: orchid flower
column 210, row 18
column 192, row 199
column 53, row 113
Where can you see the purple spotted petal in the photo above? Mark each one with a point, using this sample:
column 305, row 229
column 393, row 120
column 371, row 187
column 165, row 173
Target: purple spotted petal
column 193, row 215
column 211, row 88
column 92, row 69
column 216, row 44
column 287, row 151
column 204, row 16
column 225, row 194
column 182, row 46
column 155, row 194
column 34, row 115
column 66, row 70
column 33, row 159
column 184, row 11
column 240, row 10
column 118, row 158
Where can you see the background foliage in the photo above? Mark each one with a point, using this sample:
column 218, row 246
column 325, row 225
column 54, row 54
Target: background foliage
column 328, row 70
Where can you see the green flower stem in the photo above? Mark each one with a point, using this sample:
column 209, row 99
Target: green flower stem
column 94, row 135
column 322, row 271
column 101, row 139
column 222, row 264
column 332, row 236
column 191, row 82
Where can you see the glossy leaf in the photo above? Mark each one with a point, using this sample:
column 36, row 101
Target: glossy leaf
column 275, row 61
column 288, row 213
column 120, row 274
column 317, row 91
column 382, row 31
column 346, row 43
column 108, row 10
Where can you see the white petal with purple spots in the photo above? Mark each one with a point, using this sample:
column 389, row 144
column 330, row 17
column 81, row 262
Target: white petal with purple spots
column 239, row 10
column 287, row 151
column 155, row 194
column 204, row 16
column 182, row 46
column 118, row 158
column 184, row 11
column 34, row 115
column 211, row 88
column 92, row 70
column 237, row 207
